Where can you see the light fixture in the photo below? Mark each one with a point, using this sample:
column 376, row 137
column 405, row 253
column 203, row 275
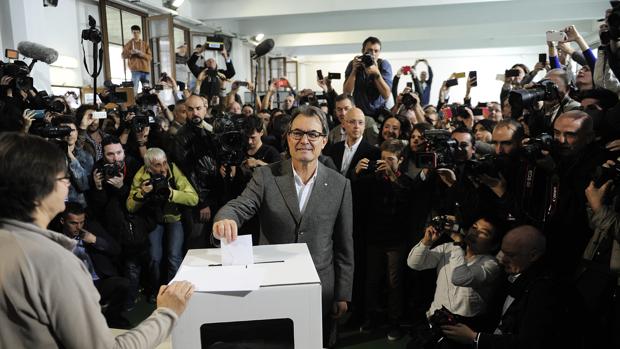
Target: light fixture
column 173, row 4
column 259, row 36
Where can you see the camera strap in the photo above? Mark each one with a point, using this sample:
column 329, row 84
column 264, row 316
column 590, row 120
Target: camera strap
column 93, row 74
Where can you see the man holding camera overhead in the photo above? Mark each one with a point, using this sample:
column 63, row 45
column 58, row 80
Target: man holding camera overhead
column 369, row 78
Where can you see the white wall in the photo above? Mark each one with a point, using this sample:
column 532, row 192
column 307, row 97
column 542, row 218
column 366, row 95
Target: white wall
column 487, row 63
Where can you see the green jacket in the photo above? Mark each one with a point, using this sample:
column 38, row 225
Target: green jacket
column 182, row 194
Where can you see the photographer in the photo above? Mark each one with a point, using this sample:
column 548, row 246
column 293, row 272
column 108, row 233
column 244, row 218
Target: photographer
column 194, row 153
column 98, row 251
column 180, row 117
column 80, row 162
column 544, row 102
column 467, row 271
column 165, row 188
column 89, row 133
column 138, row 53
column 385, row 198
column 369, row 78
column 597, row 278
column 209, row 78
column 408, row 105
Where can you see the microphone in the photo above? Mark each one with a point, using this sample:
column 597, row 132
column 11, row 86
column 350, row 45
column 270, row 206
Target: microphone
column 263, row 48
column 37, row 52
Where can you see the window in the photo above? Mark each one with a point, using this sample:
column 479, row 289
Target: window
column 118, row 27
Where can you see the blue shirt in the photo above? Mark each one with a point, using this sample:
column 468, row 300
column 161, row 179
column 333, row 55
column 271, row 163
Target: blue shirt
column 365, row 93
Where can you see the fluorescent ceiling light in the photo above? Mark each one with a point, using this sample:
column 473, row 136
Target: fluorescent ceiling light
column 177, row 3
column 259, row 36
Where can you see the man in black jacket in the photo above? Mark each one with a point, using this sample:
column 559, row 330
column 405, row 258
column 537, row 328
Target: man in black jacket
column 348, row 153
column 537, row 311
column 97, row 251
column 208, row 77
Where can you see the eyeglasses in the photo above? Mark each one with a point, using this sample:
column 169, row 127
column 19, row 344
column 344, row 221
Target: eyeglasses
column 312, row 135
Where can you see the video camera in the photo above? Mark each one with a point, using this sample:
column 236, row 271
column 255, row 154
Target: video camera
column 19, row 71
column 486, row 165
column 522, row 99
column 532, row 150
column 142, row 119
column 231, row 142
column 441, row 150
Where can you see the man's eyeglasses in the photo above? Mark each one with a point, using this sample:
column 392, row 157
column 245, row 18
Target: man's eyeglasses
column 312, row 135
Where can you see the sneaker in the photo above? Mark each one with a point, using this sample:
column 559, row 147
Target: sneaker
column 368, row 326
column 395, row 333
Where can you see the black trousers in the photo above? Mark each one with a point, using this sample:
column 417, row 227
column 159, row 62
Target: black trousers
column 385, row 266
column 113, row 291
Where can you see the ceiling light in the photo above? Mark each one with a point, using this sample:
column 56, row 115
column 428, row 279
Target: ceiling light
column 259, row 36
column 177, row 3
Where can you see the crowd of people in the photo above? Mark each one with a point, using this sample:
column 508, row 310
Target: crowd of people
column 493, row 224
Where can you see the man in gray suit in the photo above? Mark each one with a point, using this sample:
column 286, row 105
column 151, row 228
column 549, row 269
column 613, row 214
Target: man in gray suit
column 301, row 200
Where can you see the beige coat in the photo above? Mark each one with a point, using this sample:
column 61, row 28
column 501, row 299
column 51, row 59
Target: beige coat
column 48, row 300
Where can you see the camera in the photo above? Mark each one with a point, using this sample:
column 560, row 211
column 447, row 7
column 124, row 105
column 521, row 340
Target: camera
column 545, row 90
column 161, row 189
column 92, row 33
column 444, row 225
column 533, row 148
column 110, row 171
column 372, row 166
column 52, row 132
column 367, row 60
column 602, row 174
column 409, row 101
column 485, row 165
column 441, row 150
column 231, row 142
column 19, row 71
column 140, row 121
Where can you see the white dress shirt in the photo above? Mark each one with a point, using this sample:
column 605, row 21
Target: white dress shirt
column 303, row 190
column 347, row 156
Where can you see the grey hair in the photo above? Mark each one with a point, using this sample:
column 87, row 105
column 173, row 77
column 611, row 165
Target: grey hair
column 311, row 111
column 153, row 154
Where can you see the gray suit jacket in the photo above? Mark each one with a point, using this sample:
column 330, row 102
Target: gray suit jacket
column 326, row 225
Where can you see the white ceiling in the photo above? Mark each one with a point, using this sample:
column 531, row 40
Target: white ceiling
column 329, row 27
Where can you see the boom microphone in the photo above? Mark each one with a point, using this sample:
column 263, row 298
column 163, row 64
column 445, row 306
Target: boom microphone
column 37, row 52
column 263, row 48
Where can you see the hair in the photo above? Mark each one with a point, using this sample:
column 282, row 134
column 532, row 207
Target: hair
column 606, row 98
column 487, row 124
column 28, row 169
column 393, row 146
column 153, row 154
column 405, row 127
column 513, row 125
column 310, row 111
column 109, row 139
column 179, row 102
column 247, row 105
column 522, row 66
column 74, row 208
column 252, row 124
column 587, row 124
column 421, row 127
column 64, row 119
column 561, row 73
column 135, row 27
column 500, row 228
column 342, row 97
column 462, row 129
column 371, row 40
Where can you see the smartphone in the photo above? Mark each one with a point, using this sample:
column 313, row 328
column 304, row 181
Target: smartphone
column 556, row 36
column 39, row 114
column 410, row 85
column 281, row 83
column 100, row 115
column 483, row 111
column 11, row 54
column 319, row 74
column 473, row 76
column 447, row 113
column 406, row 69
column 333, row 76
column 452, row 82
column 511, row 72
column 459, row 75
column 542, row 58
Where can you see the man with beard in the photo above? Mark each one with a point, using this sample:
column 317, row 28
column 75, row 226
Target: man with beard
column 89, row 134
column 193, row 152
column 575, row 156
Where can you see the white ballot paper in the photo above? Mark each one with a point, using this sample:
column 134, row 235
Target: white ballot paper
column 238, row 252
column 221, row 278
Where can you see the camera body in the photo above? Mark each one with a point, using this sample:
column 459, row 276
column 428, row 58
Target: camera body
column 231, row 142
column 367, row 60
column 161, row 188
column 92, row 34
column 19, row 71
column 110, row 171
column 441, row 150
column 409, row 101
column 536, row 145
column 602, row 174
column 485, row 165
column 545, row 90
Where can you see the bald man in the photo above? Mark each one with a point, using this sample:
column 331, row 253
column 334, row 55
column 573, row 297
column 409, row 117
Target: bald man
column 533, row 314
column 354, row 148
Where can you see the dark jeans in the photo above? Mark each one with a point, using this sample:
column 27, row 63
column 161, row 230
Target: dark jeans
column 113, row 291
column 381, row 262
column 170, row 234
column 133, row 268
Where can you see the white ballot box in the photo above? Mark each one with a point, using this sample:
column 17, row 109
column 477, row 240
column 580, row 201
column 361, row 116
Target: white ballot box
column 289, row 289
